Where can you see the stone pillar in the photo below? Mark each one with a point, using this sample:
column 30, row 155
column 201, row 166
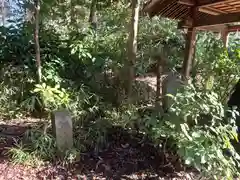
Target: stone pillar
column 63, row 130
column 172, row 83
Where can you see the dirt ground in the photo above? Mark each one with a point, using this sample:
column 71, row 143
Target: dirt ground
column 124, row 158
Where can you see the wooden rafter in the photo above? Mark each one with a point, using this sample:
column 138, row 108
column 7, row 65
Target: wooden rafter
column 215, row 8
column 186, row 2
column 219, row 28
column 179, row 9
column 208, row 10
column 155, row 3
column 200, row 4
column 216, row 2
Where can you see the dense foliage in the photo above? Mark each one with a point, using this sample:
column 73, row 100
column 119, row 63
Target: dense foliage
column 82, row 71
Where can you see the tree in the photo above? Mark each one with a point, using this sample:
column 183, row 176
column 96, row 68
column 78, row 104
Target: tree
column 93, row 14
column 36, row 36
column 132, row 46
column 6, row 8
column 3, row 12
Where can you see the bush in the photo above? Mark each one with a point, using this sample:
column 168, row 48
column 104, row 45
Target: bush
column 198, row 124
column 216, row 69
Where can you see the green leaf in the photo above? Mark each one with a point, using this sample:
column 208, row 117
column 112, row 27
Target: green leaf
column 188, row 161
column 36, row 90
column 57, row 86
column 203, row 159
column 184, row 129
column 196, row 134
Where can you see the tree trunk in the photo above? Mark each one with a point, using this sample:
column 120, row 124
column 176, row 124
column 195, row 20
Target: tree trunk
column 71, row 12
column 93, row 14
column 36, row 36
column 3, row 12
column 132, row 47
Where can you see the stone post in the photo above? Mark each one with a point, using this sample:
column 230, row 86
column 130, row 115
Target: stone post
column 63, row 130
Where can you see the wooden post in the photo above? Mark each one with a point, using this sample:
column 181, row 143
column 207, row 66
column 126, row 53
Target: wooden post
column 132, row 47
column 190, row 45
column 189, row 52
column 224, row 36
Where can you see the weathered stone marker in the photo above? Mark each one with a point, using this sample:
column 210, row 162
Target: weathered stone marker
column 172, row 83
column 63, row 130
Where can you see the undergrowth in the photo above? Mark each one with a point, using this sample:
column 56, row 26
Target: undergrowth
column 82, row 72
column 196, row 123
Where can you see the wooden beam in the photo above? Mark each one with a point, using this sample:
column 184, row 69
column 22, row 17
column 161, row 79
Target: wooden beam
column 234, row 28
column 213, row 2
column 218, row 20
column 219, row 28
column 216, row 28
column 200, row 4
column 186, row 2
column 187, row 23
column 208, row 11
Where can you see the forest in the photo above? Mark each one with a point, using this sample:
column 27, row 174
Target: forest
column 105, row 62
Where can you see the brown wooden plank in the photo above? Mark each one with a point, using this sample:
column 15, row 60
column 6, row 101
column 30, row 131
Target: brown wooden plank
column 216, row 29
column 180, row 10
column 218, row 6
column 234, row 3
column 157, row 6
column 232, row 10
column 200, row 4
column 225, row 5
column 189, row 51
column 167, row 9
column 186, row 2
column 173, row 10
column 216, row 10
column 224, row 36
column 217, row 20
column 234, row 28
column 183, row 14
column 216, row 2
column 189, row 46
column 208, row 11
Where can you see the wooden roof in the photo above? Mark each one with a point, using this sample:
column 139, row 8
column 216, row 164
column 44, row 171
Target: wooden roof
column 224, row 7
column 207, row 12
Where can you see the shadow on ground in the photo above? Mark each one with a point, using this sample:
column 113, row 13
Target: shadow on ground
column 13, row 131
column 126, row 156
column 9, row 136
